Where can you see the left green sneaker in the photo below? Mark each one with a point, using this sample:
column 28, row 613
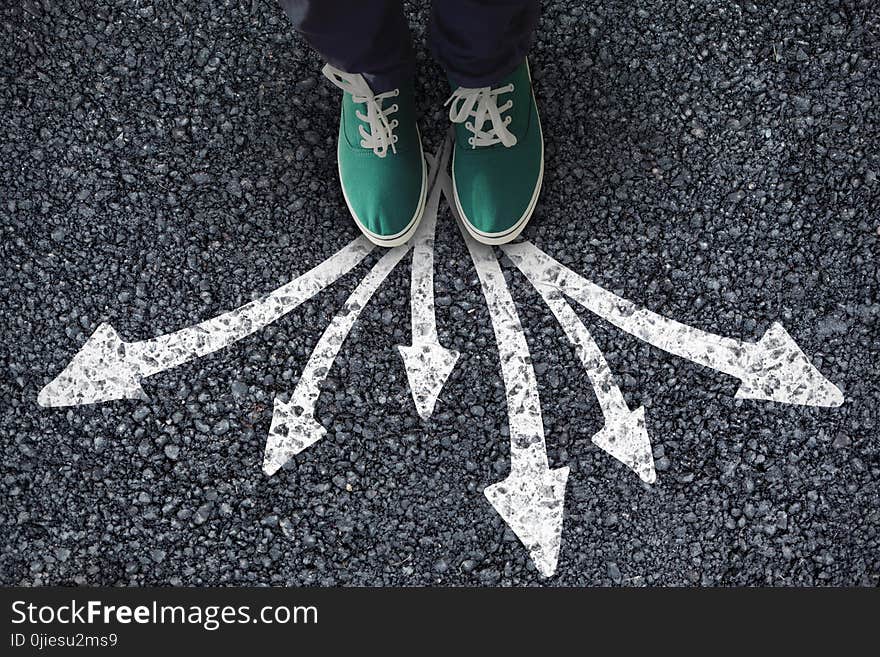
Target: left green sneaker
column 498, row 161
column 382, row 168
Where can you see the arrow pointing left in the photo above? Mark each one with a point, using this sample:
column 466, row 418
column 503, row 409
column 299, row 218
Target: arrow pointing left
column 108, row 368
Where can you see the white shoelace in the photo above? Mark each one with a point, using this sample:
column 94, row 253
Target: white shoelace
column 481, row 105
column 381, row 135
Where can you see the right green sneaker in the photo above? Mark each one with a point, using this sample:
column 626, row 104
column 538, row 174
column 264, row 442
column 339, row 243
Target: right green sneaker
column 381, row 165
column 498, row 162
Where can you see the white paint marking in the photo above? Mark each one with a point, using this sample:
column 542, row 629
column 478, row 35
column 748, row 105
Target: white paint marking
column 774, row 368
column 624, row 436
column 428, row 363
column 294, row 426
column 108, row 368
column 531, row 499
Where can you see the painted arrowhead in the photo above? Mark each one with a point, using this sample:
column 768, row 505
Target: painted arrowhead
column 428, row 366
column 532, row 505
column 98, row 372
column 291, row 432
column 626, row 439
column 779, row 371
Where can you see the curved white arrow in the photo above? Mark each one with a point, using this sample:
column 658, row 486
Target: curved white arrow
column 428, row 363
column 774, row 368
column 107, row 368
column 624, row 436
column 294, row 426
column 531, row 499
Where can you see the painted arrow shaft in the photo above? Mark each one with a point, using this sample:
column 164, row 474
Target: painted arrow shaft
column 528, row 449
column 294, row 426
column 173, row 349
column 321, row 360
column 424, row 319
column 774, row 368
column 723, row 354
column 428, row 364
column 107, row 368
column 531, row 499
column 624, row 436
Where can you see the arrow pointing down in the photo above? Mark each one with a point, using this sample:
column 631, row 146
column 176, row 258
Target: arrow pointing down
column 531, row 499
column 624, row 436
column 294, row 426
column 428, row 363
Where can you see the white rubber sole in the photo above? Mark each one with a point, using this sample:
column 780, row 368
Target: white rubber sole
column 403, row 236
column 514, row 231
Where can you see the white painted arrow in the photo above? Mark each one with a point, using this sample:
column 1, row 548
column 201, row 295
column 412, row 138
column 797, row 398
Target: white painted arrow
column 428, row 363
column 624, row 436
column 531, row 499
column 774, row 368
column 107, row 368
column 294, row 426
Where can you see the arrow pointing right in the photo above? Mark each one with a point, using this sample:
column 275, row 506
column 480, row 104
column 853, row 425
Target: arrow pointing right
column 294, row 426
column 774, row 368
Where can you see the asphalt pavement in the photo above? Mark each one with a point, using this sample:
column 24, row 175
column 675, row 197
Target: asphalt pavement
column 164, row 162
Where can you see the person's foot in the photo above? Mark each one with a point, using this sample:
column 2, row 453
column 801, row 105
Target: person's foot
column 498, row 162
column 381, row 166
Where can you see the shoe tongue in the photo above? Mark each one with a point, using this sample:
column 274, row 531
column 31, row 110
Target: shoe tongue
column 360, row 87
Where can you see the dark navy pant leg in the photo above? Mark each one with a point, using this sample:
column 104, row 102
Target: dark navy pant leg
column 479, row 42
column 370, row 37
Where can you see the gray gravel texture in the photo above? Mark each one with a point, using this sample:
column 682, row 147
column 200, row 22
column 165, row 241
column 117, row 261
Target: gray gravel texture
column 162, row 162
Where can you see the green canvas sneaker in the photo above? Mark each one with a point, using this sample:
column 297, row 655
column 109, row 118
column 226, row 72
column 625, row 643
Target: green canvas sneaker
column 381, row 166
column 498, row 162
